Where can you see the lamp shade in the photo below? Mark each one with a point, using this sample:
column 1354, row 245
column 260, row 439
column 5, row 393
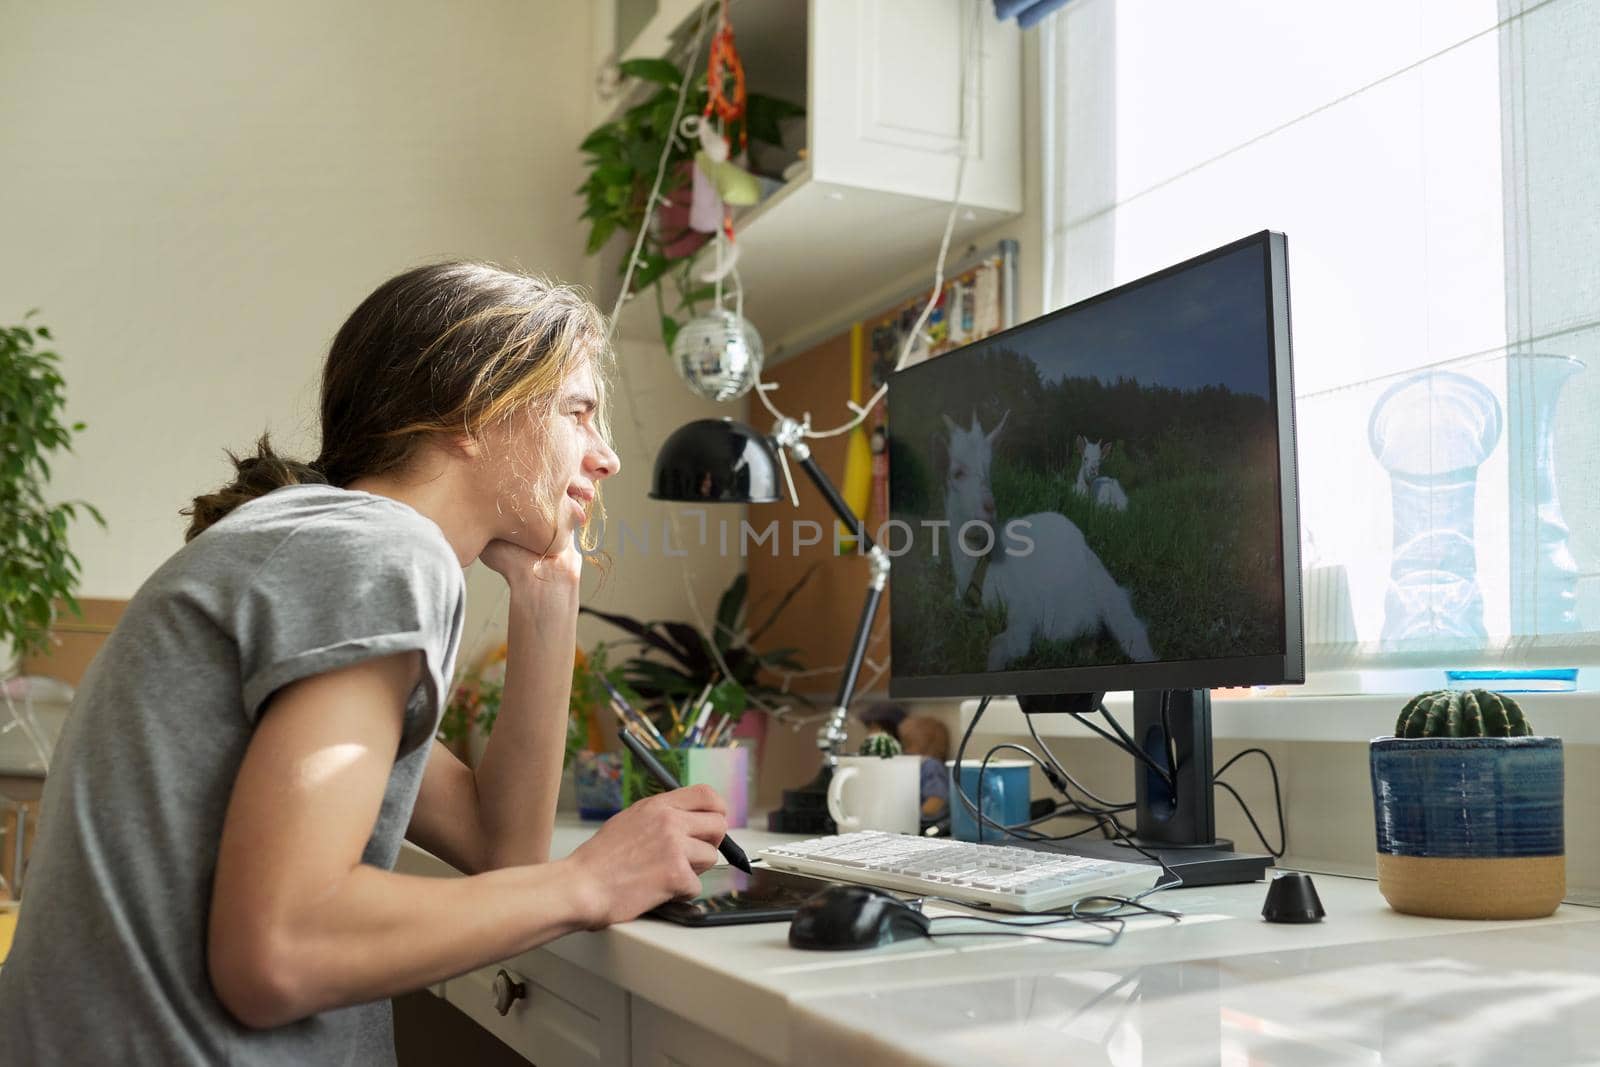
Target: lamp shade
column 716, row 461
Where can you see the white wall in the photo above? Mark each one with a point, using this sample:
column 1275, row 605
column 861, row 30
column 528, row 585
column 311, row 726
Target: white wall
column 196, row 195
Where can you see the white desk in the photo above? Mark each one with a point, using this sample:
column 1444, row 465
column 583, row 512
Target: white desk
column 1366, row 985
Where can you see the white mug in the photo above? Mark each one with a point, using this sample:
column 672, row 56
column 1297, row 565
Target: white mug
column 873, row 793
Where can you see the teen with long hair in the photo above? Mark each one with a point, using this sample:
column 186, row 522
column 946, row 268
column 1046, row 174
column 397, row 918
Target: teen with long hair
column 214, row 878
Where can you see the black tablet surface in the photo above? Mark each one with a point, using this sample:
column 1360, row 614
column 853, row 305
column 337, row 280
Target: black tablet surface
column 728, row 895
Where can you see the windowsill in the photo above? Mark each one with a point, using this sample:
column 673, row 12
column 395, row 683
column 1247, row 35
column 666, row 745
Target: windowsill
column 1573, row 717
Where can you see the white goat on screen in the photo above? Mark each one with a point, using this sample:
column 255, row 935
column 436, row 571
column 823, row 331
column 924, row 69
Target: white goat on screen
column 1057, row 590
column 1105, row 492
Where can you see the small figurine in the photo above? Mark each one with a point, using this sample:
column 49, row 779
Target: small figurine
column 883, row 717
column 925, row 736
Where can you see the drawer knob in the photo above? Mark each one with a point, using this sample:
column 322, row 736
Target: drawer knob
column 507, row 991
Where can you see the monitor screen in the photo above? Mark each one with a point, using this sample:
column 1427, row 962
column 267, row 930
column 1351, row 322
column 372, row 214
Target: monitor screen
column 1103, row 498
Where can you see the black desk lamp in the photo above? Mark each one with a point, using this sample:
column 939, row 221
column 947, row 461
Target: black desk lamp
column 719, row 461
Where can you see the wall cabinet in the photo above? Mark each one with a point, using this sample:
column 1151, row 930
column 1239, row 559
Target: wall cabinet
column 887, row 118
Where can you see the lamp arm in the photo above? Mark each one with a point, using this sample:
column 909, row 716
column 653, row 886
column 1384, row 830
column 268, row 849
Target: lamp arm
column 830, row 493
column 831, row 738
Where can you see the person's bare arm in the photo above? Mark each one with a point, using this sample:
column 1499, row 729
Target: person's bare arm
column 504, row 813
column 299, row 925
column 446, row 820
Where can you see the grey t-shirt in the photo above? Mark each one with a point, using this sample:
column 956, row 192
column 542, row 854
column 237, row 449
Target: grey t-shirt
column 109, row 962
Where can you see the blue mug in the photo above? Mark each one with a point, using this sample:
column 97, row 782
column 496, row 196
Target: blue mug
column 1007, row 793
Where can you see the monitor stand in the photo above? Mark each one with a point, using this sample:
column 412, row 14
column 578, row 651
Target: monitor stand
column 1176, row 823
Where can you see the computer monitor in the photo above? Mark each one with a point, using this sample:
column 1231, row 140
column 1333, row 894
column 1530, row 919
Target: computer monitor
column 1104, row 499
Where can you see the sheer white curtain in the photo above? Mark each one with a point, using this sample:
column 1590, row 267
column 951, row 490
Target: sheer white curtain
column 1436, row 167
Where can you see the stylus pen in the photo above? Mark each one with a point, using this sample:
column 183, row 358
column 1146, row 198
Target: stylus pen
column 734, row 853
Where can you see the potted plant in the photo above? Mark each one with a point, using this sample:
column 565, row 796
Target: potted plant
column 1468, row 809
column 475, row 702
column 622, row 157
column 474, row 705
column 38, row 571
column 596, row 770
column 676, row 663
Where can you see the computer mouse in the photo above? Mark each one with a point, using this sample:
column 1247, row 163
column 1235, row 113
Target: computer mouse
column 854, row 916
column 1291, row 898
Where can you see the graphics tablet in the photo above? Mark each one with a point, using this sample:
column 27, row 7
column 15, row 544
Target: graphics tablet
column 729, row 896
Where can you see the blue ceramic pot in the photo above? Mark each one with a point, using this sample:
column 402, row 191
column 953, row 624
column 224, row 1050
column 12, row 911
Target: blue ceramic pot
column 1469, row 827
column 598, row 778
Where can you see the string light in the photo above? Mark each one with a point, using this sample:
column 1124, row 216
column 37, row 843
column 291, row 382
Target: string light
column 859, row 413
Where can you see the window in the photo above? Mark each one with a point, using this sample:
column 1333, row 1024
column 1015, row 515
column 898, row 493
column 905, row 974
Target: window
column 1436, row 167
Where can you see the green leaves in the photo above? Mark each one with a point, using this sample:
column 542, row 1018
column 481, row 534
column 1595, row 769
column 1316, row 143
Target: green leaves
column 37, row 569
column 675, row 662
column 599, row 234
column 763, row 113
column 623, row 156
column 652, row 70
column 652, row 265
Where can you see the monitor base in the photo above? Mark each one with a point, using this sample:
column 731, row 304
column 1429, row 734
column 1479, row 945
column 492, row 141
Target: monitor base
column 1197, row 865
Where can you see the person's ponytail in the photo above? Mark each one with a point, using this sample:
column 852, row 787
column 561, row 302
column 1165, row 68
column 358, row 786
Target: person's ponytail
column 254, row 476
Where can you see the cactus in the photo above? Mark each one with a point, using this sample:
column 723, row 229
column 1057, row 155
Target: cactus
column 880, row 745
column 1458, row 713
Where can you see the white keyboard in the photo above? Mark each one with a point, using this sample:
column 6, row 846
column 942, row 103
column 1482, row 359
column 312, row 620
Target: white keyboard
column 995, row 876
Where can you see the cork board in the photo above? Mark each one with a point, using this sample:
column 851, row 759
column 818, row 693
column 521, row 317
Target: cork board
column 821, row 620
column 75, row 641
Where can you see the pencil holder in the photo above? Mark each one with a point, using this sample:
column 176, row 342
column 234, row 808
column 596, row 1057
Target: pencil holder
column 727, row 770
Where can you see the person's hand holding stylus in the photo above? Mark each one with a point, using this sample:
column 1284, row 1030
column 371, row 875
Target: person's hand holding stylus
column 733, row 852
column 641, row 752
column 649, row 853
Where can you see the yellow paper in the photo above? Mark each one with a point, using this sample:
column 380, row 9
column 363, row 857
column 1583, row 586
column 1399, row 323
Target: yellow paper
column 8, row 926
column 857, row 489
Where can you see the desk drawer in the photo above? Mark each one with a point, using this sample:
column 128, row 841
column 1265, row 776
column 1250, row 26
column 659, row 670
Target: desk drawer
column 662, row 1039
column 566, row 1017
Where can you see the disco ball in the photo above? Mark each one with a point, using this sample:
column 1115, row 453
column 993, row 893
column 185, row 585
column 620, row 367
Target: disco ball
column 718, row 356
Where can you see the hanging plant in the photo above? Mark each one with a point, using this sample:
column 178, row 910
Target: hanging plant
column 622, row 157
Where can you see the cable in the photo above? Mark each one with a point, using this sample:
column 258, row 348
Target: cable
column 1114, row 919
column 1277, row 799
column 983, row 820
column 1119, row 832
column 1105, row 813
column 1168, row 774
column 661, row 173
column 1071, row 809
column 1062, row 771
column 960, row 790
column 1277, row 853
column 983, row 768
column 1021, row 831
column 1171, row 742
column 1124, row 742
